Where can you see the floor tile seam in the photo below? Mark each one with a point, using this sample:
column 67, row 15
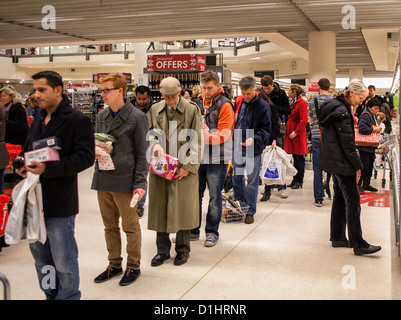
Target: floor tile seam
column 231, row 250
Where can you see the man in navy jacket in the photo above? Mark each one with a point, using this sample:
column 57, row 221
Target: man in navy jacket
column 252, row 130
column 59, row 180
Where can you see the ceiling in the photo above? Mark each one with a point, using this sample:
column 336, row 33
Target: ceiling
column 107, row 21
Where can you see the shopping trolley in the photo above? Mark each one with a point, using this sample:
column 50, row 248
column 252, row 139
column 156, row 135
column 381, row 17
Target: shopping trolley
column 386, row 144
column 6, row 285
column 232, row 210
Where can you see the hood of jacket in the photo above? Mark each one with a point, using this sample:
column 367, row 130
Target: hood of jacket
column 334, row 110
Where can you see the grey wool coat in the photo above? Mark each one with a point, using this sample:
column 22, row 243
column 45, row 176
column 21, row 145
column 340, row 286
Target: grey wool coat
column 129, row 127
column 174, row 205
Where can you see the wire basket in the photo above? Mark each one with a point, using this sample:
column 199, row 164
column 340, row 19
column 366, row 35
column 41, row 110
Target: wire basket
column 232, row 210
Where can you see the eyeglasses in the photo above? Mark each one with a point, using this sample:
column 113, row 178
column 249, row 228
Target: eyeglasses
column 108, row 90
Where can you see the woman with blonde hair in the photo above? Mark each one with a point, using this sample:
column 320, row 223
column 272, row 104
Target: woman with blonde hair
column 16, row 116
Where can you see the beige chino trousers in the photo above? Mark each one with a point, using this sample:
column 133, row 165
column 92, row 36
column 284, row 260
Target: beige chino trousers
column 114, row 205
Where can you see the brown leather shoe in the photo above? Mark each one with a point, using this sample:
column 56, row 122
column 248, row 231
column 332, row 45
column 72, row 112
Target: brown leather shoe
column 249, row 219
column 159, row 259
column 181, row 258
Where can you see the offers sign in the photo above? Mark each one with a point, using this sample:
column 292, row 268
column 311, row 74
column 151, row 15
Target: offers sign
column 177, row 62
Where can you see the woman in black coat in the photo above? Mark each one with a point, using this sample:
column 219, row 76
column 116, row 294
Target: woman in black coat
column 366, row 125
column 340, row 157
column 16, row 117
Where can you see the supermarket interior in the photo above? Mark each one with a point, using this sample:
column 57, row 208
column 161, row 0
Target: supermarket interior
column 286, row 253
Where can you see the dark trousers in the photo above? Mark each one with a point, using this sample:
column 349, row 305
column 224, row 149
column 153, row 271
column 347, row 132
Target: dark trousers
column 182, row 242
column 346, row 211
column 368, row 159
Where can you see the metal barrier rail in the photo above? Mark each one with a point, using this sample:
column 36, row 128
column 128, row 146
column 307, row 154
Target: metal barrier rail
column 6, row 285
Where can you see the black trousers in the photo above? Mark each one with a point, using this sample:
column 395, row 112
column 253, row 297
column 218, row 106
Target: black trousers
column 368, row 159
column 182, row 242
column 346, row 212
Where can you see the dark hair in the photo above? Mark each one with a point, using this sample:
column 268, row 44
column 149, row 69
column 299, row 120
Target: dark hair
column 142, row 90
column 54, row 79
column 266, row 81
column 373, row 102
column 324, row 84
column 372, row 87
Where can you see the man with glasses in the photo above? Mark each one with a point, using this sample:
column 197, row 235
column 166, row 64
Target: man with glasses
column 116, row 188
column 175, row 125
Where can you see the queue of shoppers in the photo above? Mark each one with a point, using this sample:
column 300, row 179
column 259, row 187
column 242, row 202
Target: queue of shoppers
column 205, row 137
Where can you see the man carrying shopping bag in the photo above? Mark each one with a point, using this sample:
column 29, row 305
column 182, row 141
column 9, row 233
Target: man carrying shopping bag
column 59, row 180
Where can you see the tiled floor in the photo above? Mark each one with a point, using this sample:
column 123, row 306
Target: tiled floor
column 285, row 254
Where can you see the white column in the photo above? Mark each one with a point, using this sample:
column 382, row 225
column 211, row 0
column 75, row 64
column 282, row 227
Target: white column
column 355, row 74
column 140, row 62
column 322, row 56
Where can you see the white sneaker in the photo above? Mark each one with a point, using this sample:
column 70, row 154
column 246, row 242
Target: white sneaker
column 283, row 194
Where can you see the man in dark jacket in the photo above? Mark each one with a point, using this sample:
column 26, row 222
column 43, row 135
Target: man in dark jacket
column 143, row 101
column 280, row 107
column 252, row 130
column 59, row 180
column 339, row 156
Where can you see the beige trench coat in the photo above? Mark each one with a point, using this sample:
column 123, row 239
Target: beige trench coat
column 174, row 205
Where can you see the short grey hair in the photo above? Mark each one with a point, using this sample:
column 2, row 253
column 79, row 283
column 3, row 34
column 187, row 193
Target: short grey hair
column 356, row 87
column 247, row 82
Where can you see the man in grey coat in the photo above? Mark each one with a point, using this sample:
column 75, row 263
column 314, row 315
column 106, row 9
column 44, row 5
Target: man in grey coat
column 117, row 187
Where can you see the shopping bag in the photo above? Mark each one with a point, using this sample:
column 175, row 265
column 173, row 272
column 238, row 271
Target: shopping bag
column 3, row 213
column 26, row 219
column 364, row 140
column 271, row 172
column 228, row 181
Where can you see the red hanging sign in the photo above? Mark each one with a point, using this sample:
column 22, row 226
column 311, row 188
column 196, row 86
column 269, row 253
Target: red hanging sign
column 313, row 87
column 177, row 62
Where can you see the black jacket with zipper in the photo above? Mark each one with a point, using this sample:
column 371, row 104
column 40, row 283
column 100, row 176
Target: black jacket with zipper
column 338, row 152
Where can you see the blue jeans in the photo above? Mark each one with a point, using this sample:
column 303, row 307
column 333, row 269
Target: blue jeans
column 248, row 193
column 213, row 175
column 141, row 202
column 56, row 260
column 318, row 191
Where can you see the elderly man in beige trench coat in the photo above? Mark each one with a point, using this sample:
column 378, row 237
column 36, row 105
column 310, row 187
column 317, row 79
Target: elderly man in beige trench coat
column 175, row 129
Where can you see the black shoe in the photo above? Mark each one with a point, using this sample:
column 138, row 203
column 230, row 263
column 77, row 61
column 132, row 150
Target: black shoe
column 296, row 185
column 291, row 184
column 130, row 276
column 266, row 195
column 139, row 212
column 318, row 203
column 340, row 244
column 159, row 259
column 370, row 188
column 181, row 258
column 367, row 250
column 109, row 273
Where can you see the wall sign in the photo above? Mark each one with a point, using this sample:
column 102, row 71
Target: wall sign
column 176, row 62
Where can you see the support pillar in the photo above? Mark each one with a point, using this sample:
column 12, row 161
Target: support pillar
column 355, row 74
column 322, row 56
column 140, row 62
